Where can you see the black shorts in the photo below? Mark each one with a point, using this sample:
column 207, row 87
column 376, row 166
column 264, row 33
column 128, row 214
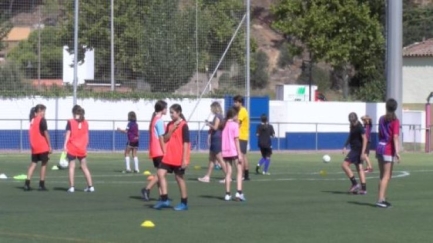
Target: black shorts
column 73, row 157
column 215, row 146
column 243, row 144
column 43, row 157
column 266, row 152
column 177, row 170
column 353, row 157
column 132, row 145
column 157, row 161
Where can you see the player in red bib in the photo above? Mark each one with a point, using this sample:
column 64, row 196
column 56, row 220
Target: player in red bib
column 156, row 144
column 176, row 158
column 76, row 141
column 40, row 145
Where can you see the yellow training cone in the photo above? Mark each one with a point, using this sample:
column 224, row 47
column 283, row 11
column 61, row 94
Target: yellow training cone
column 197, row 167
column 322, row 172
column 148, row 224
column 147, row 173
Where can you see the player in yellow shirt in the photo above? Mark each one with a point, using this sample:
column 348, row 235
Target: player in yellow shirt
column 244, row 131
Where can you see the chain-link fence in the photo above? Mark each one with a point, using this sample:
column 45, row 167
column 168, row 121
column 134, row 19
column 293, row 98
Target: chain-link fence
column 138, row 48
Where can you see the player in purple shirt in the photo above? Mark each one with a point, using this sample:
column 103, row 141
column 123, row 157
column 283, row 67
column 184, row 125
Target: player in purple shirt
column 132, row 144
column 366, row 120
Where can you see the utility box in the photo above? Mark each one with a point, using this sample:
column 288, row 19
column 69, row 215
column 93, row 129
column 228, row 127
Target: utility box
column 293, row 92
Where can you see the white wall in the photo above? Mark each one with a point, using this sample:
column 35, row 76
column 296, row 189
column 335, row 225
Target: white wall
column 100, row 113
column 417, row 79
column 334, row 114
column 292, row 116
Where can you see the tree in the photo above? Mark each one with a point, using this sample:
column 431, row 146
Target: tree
column 417, row 24
column 10, row 77
column 342, row 33
column 5, row 27
column 51, row 53
column 259, row 70
column 167, row 51
column 221, row 19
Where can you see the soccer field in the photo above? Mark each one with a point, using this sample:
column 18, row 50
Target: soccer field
column 294, row 204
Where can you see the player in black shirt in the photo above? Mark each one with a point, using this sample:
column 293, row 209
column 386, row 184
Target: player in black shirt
column 264, row 132
column 358, row 144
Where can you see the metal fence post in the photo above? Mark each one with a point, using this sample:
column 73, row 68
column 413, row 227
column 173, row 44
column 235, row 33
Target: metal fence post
column 317, row 137
column 278, row 137
column 21, row 135
column 414, row 137
column 114, row 137
column 199, row 137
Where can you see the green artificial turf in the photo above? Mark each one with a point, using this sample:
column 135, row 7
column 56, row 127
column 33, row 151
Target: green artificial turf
column 295, row 203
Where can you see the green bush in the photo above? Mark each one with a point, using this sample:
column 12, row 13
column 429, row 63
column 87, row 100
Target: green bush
column 11, row 78
column 259, row 70
column 286, row 57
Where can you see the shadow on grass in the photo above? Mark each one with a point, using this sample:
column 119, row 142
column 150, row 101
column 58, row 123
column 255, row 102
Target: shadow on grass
column 64, row 189
column 337, row 192
column 136, row 197
column 151, row 207
column 363, row 204
column 212, row 197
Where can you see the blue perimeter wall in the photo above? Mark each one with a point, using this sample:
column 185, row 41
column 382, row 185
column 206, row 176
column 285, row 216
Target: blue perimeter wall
column 103, row 140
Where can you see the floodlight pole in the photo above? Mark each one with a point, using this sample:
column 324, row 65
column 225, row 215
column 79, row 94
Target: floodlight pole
column 75, row 82
column 112, row 45
column 395, row 55
column 248, row 55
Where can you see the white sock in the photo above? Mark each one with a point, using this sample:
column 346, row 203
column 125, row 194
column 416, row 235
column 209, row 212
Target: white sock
column 136, row 163
column 128, row 167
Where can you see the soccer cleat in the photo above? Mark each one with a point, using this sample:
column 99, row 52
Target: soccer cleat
column 266, row 173
column 136, row 171
column 162, row 204
column 383, row 204
column 354, row 188
column 126, row 171
column 146, row 194
column 240, row 197
column 362, row 192
column 181, row 207
column 257, row 170
column 228, row 197
column 204, row 179
column 27, row 188
column 223, row 181
column 71, row 189
column 89, row 189
column 42, row 188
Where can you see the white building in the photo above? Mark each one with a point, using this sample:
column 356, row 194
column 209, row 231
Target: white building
column 417, row 72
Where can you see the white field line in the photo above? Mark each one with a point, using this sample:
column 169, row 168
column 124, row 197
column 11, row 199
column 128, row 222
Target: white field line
column 397, row 174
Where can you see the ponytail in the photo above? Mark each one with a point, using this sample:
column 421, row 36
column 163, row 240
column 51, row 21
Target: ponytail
column 151, row 120
column 391, row 107
column 231, row 113
column 32, row 113
column 390, row 116
column 182, row 116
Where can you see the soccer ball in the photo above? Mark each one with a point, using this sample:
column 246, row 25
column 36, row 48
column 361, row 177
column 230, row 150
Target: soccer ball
column 326, row 158
column 63, row 164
